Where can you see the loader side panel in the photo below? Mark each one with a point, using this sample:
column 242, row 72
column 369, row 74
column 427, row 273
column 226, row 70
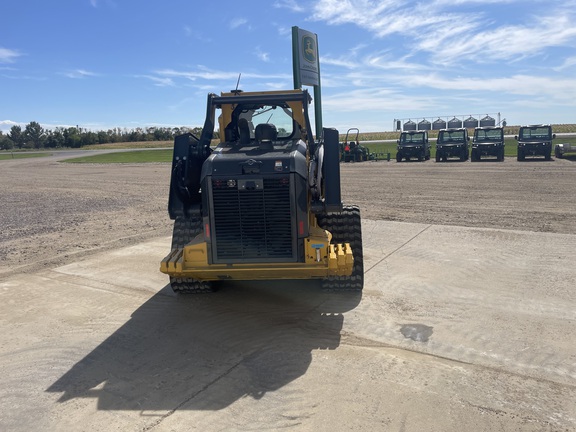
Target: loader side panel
column 184, row 196
column 331, row 168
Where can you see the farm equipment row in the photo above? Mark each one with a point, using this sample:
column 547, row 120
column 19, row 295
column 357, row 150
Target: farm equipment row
column 533, row 140
column 487, row 141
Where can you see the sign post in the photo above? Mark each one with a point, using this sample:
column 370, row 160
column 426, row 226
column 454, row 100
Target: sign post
column 306, row 65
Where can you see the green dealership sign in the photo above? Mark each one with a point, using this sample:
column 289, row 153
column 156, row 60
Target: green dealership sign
column 306, row 66
column 309, row 69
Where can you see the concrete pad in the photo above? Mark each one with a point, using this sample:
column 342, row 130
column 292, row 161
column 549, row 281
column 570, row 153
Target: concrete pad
column 457, row 329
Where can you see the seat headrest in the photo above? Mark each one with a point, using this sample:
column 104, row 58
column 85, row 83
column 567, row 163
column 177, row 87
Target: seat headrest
column 265, row 132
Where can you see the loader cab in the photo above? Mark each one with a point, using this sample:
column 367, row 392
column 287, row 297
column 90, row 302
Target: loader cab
column 263, row 125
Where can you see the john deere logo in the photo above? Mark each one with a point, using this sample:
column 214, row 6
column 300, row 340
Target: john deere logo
column 309, row 45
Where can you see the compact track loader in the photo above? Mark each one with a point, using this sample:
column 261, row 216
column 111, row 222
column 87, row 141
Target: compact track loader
column 265, row 203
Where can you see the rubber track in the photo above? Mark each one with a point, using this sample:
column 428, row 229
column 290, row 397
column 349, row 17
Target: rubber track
column 185, row 229
column 346, row 227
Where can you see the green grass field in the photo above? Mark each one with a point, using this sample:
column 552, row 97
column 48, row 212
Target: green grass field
column 139, row 156
column 7, row 156
column 131, row 145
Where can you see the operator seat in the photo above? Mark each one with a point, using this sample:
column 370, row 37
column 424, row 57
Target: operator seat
column 265, row 134
column 244, row 129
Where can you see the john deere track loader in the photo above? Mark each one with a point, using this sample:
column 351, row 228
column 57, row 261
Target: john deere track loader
column 265, row 203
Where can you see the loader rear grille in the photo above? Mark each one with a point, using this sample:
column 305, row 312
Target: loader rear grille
column 253, row 225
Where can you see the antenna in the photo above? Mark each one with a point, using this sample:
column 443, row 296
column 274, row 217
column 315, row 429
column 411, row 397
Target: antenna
column 236, row 91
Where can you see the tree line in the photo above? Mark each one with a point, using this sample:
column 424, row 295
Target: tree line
column 34, row 136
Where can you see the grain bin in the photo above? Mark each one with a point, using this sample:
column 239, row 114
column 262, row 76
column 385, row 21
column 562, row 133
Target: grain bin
column 470, row 123
column 487, row 121
column 424, row 125
column 409, row 126
column 455, row 123
column 439, row 124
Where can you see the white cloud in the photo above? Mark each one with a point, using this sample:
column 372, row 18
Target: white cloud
column 550, row 88
column 237, row 22
column 194, row 33
column 79, row 73
column 216, row 75
column 158, row 81
column 283, row 30
column 279, row 85
column 435, row 94
column 7, row 124
column 425, row 27
column 506, row 42
column 376, row 99
column 23, row 77
column 568, row 63
column 342, row 61
column 263, row 56
column 451, row 3
column 97, row 3
column 8, row 55
column 376, row 60
column 292, row 5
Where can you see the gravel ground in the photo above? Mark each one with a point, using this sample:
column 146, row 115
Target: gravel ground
column 457, row 328
column 53, row 211
column 534, row 195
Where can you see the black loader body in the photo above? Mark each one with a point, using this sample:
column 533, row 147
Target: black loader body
column 260, row 205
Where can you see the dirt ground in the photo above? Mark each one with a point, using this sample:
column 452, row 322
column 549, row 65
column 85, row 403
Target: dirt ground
column 52, row 211
column 457, row 328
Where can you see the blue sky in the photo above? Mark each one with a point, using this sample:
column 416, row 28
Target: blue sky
column 101, row 64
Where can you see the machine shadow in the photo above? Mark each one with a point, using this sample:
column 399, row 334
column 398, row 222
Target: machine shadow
column 203, row 352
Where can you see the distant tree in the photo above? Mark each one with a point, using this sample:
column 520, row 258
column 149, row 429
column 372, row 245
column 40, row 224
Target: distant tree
column 55, row 138
column 162, row 134
column 112, row 135
column 103, row 137
column 34, row 135
column 72, row 137
column 16, row 136
column 88, row 138
column 5, row 142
